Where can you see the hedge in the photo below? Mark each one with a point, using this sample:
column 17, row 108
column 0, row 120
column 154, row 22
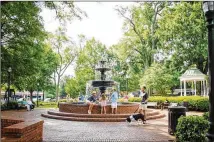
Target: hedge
column 11, row 105
column 191, row 129
column 206, row 115
column 194, row 102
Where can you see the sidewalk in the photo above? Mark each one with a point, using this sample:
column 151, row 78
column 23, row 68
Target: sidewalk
column 59, row 130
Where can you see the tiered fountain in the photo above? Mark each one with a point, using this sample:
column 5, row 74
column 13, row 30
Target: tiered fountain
column 78, row 111
column 102, row 84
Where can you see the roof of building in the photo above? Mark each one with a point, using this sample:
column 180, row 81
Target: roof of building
column 193, row 74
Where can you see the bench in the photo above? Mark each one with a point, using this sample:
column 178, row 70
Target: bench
column 152, row 104
column 173, row 104
column 23, row 131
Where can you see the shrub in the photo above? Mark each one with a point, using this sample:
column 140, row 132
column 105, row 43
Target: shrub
column 47, row 104
column 63, row 100
column 4, row 106
column 202, row 104
column 206, row 115
column 194, row 102
column 191, row 129
column 134, row 99
column 12, row 105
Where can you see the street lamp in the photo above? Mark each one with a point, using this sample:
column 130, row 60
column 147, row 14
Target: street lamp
column 37, row 100
column 208, row 8
column 9, row 80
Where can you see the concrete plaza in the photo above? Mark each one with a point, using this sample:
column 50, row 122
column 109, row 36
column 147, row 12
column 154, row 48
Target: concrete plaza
column 73, row 131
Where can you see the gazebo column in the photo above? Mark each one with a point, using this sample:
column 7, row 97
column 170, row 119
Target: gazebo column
column 185, row 93
column 181, row 88
column 195, row 86
column 204, row 87
column 192, row 88
column 201, row 87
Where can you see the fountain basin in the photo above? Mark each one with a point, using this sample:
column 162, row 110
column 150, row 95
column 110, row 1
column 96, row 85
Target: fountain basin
column 82, row 108
column 98, row 83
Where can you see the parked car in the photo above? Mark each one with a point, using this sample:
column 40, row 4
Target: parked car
column 177, row 92
column 20, row 99
column 47, row 99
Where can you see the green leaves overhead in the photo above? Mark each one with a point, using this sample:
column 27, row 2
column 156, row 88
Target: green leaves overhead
column 23, row 45
column 182, row 33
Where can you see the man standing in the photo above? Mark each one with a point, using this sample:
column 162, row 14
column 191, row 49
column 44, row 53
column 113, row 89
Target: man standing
column 114, row 98
column 144, row 100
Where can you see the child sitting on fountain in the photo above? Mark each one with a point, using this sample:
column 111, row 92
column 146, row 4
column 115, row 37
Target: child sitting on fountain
column 103, row 103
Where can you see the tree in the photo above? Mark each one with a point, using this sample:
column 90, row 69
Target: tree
column 23, row 34
column 66, row 52
column 140, row 26
column 157, row 77
column 181, row 33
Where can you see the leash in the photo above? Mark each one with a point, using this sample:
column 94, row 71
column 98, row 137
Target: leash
column 137, row 108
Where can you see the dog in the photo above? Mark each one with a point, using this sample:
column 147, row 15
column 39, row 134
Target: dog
column 136, row 117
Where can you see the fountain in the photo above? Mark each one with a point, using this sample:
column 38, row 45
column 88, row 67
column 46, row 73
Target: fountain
column 102, row 84
column 78, row 111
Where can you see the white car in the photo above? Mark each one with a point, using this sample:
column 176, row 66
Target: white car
column 47, row 99
column 20, row 100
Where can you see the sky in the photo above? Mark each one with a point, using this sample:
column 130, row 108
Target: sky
column 102, row 22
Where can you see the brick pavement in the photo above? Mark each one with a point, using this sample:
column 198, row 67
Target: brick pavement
column 59, row 130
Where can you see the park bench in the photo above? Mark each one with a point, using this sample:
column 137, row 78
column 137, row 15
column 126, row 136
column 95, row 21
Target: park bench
column 152, row 104
column 173, row 104
column 166, row 105
column 22, row 131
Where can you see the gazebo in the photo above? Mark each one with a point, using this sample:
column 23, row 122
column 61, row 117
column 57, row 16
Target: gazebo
column 193, row 75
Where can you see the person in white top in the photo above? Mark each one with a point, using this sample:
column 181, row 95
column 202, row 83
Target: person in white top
column 29, row 105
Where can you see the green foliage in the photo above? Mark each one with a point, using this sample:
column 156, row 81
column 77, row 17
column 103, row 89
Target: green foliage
column 23, row 47
column 47, row 104
column 50, row 96
column 191, row 129
column 85, row 67
column 11, row 105
column 157, row 77
column 181, row 34
column 206, row 115
column 194, row 102
column 135, row 99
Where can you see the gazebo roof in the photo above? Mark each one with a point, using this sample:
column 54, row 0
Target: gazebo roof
column 193, row 74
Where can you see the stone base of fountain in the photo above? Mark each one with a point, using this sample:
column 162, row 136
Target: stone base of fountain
column 82, row 108
column 78, row 112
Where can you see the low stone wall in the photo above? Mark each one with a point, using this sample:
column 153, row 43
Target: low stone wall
column 5, row 122
column 16, row 130
column 82, row 108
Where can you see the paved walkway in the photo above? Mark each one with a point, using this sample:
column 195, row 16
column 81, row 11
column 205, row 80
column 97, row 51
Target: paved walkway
column 72, row 131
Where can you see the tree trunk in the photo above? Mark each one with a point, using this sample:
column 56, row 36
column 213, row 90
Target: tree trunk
column 57, row 88
column 43, row 96
column 31, row 95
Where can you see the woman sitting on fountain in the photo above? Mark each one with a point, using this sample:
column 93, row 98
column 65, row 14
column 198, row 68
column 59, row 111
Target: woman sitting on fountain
column 103, row 103
column 91, row 101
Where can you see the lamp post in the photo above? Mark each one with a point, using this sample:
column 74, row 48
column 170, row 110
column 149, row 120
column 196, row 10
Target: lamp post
column 208, row 8
column 37, row 100
column 9, row 80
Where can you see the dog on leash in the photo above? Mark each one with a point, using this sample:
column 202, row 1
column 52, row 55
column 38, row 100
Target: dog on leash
column 136, row 117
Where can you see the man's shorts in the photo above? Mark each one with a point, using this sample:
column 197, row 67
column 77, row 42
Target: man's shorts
column 89, row 102
column 143, row 106
column 114, row 105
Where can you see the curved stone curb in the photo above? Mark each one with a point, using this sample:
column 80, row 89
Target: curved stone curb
column 57, row 113
column 97, row 117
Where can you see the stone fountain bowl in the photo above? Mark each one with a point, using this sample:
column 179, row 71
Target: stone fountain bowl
column 82, row 108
